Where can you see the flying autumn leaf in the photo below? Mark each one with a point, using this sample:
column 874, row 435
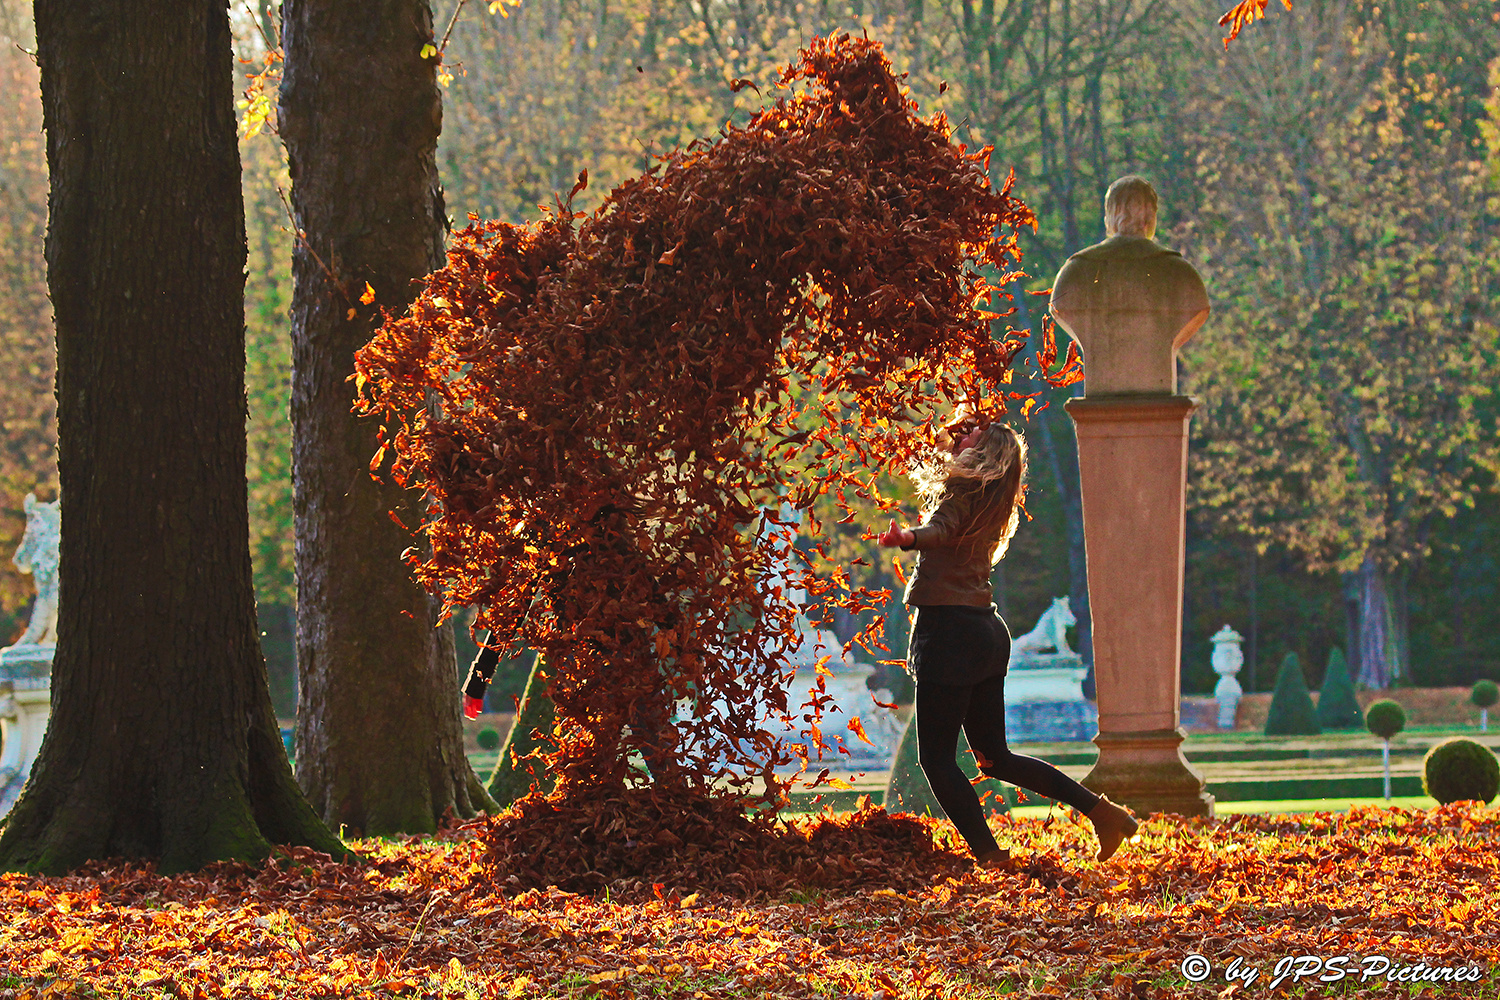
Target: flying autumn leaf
column 1244, row 13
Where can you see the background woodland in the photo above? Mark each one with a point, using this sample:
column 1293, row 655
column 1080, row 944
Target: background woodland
column 1333, row 174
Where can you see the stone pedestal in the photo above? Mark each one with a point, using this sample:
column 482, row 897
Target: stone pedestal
column 1132, row 460
column 1044, row 700
column 25, row 706
column 1146, row 771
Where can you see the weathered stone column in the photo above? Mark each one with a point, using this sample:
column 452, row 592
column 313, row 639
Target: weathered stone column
column 1130, row 304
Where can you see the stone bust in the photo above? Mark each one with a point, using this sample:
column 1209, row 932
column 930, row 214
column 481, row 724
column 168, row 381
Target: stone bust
column 1129, row 302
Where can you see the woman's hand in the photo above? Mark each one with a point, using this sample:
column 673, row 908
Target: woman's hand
column 895, row 537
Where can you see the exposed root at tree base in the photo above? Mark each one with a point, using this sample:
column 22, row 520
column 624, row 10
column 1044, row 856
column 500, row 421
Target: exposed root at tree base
column 644, row 840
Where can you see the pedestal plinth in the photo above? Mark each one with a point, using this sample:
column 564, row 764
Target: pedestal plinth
column 25, row 706
column 1132, row 462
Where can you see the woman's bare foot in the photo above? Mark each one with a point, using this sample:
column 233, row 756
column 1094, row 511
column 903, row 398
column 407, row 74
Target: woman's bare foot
column 996, row 860
column 1113, row 825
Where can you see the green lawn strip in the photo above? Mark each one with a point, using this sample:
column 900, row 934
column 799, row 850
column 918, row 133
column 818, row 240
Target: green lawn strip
column 1328, row 805
column 1246, row 772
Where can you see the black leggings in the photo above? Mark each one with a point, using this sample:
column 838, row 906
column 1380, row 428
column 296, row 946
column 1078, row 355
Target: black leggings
column 979, row 709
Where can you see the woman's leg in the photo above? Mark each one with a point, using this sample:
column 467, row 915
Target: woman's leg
column 940, row 714
column 984, row 724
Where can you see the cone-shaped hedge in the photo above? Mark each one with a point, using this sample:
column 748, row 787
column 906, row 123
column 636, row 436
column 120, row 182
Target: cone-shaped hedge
column 1292, row 712
column 518, row 765
column 1338, row 708
column 908, row 791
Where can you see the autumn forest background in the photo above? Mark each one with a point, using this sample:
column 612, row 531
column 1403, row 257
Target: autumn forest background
column 1333, row 174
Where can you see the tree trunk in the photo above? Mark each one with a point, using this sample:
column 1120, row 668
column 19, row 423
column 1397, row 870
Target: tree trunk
column 1253, row 640
column 1400, row 602
column 1379, row 664
column 162, row 742
column 379, row 740
column 1349, row 590
column 1064, row 467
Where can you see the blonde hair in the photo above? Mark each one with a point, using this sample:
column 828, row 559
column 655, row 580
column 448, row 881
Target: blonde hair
column 995, row 467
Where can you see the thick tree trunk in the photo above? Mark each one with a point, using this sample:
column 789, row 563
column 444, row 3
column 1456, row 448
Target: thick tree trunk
column 379, row 740
column 162, row 741
column 1064, row 468
column 1063, row 464
column 1379, row 661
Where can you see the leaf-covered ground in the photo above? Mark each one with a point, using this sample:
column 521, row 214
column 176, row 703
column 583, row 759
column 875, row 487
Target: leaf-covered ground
column 882, row 915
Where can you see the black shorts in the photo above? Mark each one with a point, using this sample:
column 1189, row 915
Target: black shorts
column 957, row 644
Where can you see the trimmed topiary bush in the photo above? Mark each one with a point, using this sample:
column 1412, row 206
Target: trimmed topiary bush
column 907, row 789
column 520, row 764
column 1460, row 770
column 1484, row 694
column 1385, row 718
column 1292, row 712
column 1338, row 708
column 488, row 738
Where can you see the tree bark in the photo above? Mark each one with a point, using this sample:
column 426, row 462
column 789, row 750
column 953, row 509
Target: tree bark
column 1379, row 664
column 162, row 742
column 1064, row 469
column 379, row 740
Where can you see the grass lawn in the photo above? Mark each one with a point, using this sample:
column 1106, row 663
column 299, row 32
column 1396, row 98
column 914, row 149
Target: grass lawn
column 1278, row 806
column 1365, row 893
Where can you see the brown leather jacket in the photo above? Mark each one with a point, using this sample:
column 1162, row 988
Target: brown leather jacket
column 956, row 550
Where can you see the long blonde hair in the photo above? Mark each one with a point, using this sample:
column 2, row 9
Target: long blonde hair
column 995, row 467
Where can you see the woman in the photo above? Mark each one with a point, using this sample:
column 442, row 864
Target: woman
column 960, row 648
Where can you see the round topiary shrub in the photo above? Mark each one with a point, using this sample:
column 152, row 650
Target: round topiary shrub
column 488, row 738
column 1460, row 770
column 1385, row 718
column 1485, row 693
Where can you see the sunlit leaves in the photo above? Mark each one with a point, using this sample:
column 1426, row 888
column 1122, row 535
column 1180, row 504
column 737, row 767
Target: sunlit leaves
column 257, row 106
column 841, row 904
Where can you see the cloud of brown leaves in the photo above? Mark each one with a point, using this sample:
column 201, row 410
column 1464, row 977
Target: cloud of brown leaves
column 609, row 412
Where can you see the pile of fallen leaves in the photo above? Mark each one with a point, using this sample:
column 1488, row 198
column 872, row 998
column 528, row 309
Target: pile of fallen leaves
column 654, row 839
column 422, row 918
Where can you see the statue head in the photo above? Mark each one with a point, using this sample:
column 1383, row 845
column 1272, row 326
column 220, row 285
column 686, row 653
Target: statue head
column 37, row 552
column 1130, row 208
